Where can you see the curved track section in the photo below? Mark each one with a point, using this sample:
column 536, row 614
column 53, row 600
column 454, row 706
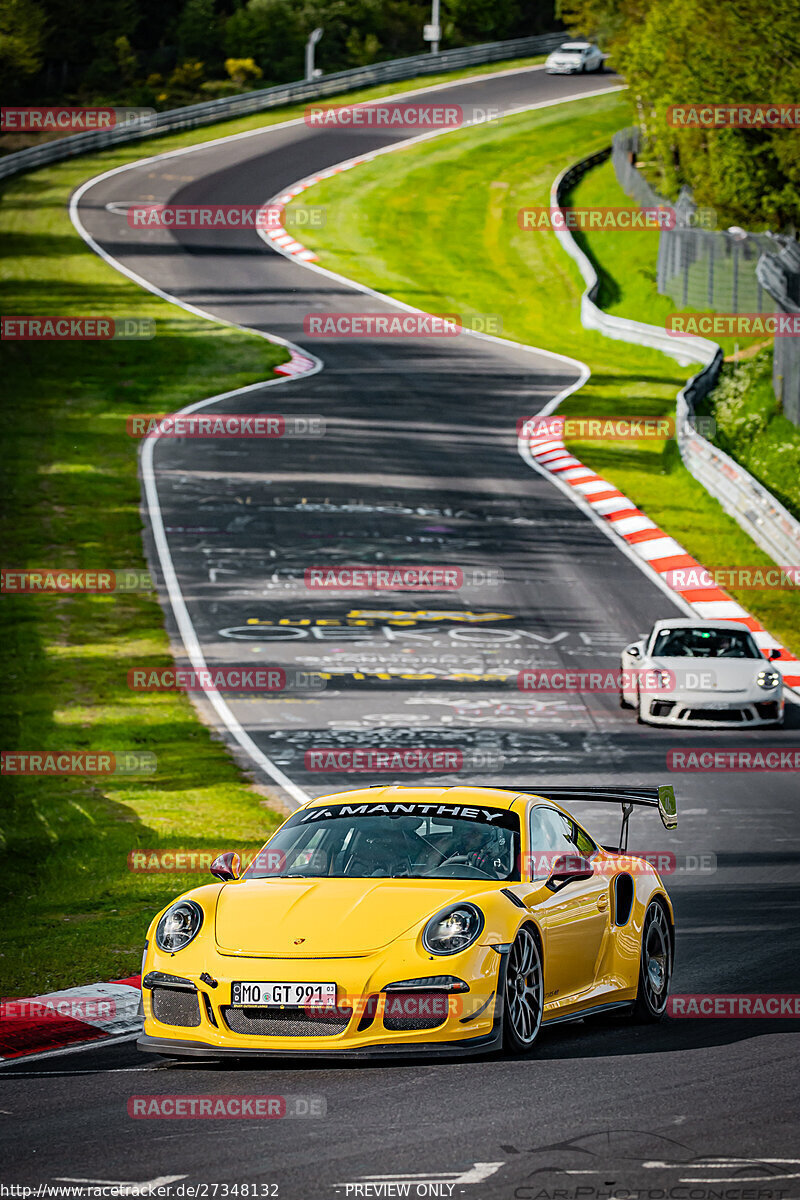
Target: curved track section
column 420, row 465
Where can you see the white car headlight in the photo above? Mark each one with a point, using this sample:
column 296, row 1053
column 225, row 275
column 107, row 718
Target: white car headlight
column 768, row 679
column 179, row 925
column 453, row 929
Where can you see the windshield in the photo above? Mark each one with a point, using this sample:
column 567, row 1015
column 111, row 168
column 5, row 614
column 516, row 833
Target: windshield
column 397, row 841
column 572, row 48
column 704, row 643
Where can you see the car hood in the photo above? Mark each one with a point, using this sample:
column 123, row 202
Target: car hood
column 322, row 918
column 712, row 674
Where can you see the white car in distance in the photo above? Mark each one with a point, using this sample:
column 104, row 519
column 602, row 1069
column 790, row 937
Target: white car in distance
column 702, row 674
column 574, row 58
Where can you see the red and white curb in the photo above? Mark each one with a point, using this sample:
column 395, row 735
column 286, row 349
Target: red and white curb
column 72, row 1017
column 298, row 364
column 655, row 552
column 660, row 553
column 278, row 236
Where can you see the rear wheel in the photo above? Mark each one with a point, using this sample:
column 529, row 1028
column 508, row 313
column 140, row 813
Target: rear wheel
column 655, row 966
column 524, row 993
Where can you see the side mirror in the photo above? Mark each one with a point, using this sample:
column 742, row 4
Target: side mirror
column 634, row 650
column 226, row 866
column 569, row 868
column 774, row 653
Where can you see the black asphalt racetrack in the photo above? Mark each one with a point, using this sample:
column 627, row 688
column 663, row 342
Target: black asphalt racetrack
column 419, row 464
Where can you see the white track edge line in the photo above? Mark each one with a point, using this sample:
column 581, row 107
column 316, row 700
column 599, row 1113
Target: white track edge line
column 183, row 619
column 552, row 405
column 547, row 409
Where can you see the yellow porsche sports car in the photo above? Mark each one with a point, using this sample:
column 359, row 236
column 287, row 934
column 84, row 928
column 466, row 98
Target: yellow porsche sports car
column 417, row 921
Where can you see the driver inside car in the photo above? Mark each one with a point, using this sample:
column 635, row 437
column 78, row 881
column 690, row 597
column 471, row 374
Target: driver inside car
column 481, row 847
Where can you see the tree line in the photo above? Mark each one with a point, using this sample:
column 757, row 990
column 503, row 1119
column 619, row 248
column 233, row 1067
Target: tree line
column 163, row 53
column 701, row 52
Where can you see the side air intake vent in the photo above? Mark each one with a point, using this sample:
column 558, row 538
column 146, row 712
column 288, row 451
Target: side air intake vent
column 623, row 899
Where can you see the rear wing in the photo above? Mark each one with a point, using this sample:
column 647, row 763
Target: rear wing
column 662, row 798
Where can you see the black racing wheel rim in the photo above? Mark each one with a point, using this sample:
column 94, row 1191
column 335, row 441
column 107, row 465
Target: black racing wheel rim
column 656, row 958
column 524, row 988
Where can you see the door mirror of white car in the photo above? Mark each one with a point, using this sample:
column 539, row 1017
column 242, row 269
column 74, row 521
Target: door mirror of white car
column 634, row 650
column 774, row 653
column 569, row 868
column 226, row 866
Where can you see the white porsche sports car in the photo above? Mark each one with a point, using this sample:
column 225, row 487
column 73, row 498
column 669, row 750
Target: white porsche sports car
column 574, row 58
column 701, row 673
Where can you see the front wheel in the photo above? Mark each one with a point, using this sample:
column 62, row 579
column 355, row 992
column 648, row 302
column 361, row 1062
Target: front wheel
column 638, row 706
column 655, row 965
column 524, row 993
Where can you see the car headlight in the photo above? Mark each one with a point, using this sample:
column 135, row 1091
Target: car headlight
column 453, row 929
column 768, row 679
column 178, row 926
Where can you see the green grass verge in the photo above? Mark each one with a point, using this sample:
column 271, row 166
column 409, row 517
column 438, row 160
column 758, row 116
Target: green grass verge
column 435, row 225
column 750, row 425
column 754, row 431
column 71, row 910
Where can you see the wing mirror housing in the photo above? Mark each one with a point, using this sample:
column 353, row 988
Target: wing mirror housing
column 569, row 868
column 227, row 866
column 774, row 653
column 634, row 650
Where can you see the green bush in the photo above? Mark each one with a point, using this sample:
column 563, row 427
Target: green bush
column 753, row 430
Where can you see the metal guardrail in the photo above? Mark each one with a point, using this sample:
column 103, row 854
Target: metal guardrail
column 723, row 270
column 780, row 276
column 751, row 505
column 684, row 350
column 209, row 111
column 698, row 265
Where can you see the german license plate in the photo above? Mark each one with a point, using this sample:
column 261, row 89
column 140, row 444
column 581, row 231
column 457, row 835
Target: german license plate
column 283, row 995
